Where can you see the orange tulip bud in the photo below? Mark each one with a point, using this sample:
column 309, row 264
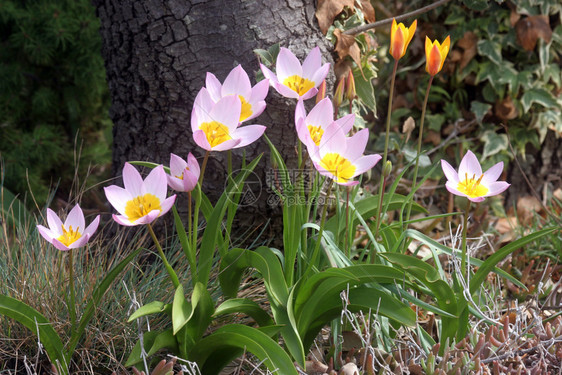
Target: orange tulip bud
column 400, row 37
column 350, row 89
column 338, row 95
column 435, row 55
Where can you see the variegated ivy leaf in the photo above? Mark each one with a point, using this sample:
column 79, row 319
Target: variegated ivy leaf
column 493, row 143
column 479, row 109
column 490, row 49
column 538, row 96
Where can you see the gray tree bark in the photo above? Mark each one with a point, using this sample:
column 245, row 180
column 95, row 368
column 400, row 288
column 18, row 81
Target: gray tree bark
column 157, row 53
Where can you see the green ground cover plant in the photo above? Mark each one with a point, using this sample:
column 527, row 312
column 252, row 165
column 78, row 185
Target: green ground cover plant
column 368, row 279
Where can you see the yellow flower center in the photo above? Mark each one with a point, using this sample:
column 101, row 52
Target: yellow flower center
column 215, row 132
column 471, row 186
column 140, row 206
column 182, row 173
column 339, row 166
column 298, row 84
column 246, row 109
column 69, row 236
column 316, row 133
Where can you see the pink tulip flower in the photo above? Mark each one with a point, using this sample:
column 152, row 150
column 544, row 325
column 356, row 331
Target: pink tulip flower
column 183, row 174
column 341, row 158
column 141, row 201
column 237, row 83
column 70, row 235
column 311, row 127
column 215, row 125
column 294, row 80
column 470, row 182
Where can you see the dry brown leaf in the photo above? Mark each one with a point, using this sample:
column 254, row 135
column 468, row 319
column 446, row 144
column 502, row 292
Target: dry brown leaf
column 506, row 227
column 527, row 207
column 408, row 126
column 368, row 10
column 505, row 109
column 530, row 29
column 468, row 44
column 433, row 137
column 346, row 46
column 514, row 17
column 327, row 11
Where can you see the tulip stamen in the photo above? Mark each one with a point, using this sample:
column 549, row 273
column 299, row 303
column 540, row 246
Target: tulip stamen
column 298, row 84
column 141, row 206
column 215, row 132
column 69, row 235
column 339, row 166
column 472, row 186
column 316, row 133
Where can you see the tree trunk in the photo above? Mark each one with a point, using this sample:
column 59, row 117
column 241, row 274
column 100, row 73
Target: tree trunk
column 157, row 53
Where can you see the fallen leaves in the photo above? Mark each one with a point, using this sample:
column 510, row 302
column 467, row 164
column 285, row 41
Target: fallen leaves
column 327, row 11
column 530, row 29
column 347, row 46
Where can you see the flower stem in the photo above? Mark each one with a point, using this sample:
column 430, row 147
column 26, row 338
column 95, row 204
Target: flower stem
column 72, row 307
column 203, row 167
column 321, row 231
column 420, row 138
column 169, row 268
column 385, row 154
column 464, row 234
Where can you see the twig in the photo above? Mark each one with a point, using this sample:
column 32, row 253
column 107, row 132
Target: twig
column 388, row 21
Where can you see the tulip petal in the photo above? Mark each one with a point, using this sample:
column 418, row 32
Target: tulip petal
column 346, row 123
column 148, row 218
column 469, row 166
column 90, row 229
column 132, row 180
column 175, row 183
column 496, row 188
column 355, row 145
column 320, row 74
column 285, row 91
column 268, row 74
column 310, row 93
column 76, row 219
column 213, row 86
column 55, row 223
column 259, row 91
column 167, row 204
column 193, row 164
column 321, row 115
column 201, row 140
column 202, row 107
column 46, row 233
column 365, row 163
column 450, row 172
column 59, row 245
column 117, row 197
column 177, row 165
column 311, row 63
column 227, row 112
column 248, row 134
column 123, row 220
column 79, row 242
column 237, row 83
column 227, row 145
column 155, row 183
column 492, row 174
column 287, row 65
column 257, row 109
column 333, row 141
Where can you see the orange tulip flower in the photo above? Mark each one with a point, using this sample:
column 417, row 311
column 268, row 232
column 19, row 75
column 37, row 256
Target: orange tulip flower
column 400, row 37
column 435, row 55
